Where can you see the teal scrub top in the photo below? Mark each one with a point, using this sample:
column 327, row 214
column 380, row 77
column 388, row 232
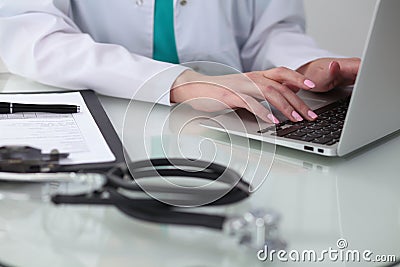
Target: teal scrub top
column 164, row 44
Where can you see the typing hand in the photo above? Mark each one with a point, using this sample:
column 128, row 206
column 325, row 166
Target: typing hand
column 328, row 73
column 215, row 93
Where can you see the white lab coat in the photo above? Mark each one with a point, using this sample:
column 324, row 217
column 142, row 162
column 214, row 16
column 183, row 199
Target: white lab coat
column 106, row 45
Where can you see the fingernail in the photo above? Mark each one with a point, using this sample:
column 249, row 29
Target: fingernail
column 273, row 118
column 297, row 116
column 309, row 83
column 330, row 65
column 312, row 114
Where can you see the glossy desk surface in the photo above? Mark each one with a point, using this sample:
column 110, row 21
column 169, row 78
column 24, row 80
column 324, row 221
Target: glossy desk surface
column 320, row 199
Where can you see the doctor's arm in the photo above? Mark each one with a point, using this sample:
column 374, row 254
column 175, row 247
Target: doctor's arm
column 42, row 43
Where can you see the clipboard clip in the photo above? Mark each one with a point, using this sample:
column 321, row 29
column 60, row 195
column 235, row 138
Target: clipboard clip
column 26, row 159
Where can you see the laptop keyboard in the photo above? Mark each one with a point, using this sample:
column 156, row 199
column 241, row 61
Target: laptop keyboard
column 326, row 130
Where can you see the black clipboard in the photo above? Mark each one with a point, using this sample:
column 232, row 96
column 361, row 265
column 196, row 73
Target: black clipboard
column 106, row 128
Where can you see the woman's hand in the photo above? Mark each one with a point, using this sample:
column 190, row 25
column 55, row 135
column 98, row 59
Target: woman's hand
column 328, row 73
column 215, row 93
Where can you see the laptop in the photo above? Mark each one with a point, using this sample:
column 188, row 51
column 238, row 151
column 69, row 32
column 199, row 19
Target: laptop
column 349, row 118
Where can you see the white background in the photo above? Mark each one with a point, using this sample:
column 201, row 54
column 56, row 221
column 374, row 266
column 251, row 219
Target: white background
column 340, row 26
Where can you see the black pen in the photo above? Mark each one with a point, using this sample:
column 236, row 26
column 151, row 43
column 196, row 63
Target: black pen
column 10, row 108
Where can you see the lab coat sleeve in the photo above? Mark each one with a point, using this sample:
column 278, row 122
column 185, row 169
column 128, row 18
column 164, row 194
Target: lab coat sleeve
column 40, row 42
column 278, row 37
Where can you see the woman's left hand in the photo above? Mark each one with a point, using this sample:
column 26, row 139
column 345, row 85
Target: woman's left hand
column 328, row 73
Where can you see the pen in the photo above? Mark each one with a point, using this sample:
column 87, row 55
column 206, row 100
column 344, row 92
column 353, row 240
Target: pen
column 9, row 108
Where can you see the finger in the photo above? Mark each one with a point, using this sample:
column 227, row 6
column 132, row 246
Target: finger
column 298, row 104
column 290, row 77
column 334, row 75
column 252, row 105
column 279, row 101
column 292, row 88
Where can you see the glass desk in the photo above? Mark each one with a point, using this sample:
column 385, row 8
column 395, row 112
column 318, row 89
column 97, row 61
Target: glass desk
column 321, row 200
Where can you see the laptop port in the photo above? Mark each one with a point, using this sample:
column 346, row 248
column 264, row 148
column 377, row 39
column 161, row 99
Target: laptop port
column 320, row 150
column 309, row 148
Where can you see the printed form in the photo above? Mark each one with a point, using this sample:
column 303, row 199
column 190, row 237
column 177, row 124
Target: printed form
column 76, row 134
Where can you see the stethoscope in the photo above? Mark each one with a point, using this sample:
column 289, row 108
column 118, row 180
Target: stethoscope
column 125, row 187
column 122, row 190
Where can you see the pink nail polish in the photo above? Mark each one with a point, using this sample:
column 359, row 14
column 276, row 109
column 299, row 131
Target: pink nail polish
column 312, row 114
column 309, row 83
column 297, row 116
column 273, row 118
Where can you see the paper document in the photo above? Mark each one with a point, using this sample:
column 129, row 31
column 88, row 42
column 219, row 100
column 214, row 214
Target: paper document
column 76, row 134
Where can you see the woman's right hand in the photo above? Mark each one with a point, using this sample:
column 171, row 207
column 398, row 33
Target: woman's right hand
column 277, row 86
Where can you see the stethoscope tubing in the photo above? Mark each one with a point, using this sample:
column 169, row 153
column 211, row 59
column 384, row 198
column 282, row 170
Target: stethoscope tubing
column 123, row 179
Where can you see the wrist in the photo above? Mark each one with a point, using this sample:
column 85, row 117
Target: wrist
column 187, row 77
column 303, row 69
column 181, row 88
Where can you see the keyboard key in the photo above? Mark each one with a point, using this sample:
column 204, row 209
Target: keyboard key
column 332, row 142
column 288, row 130
column 322, row 140
column 315, row 127
column 269, row 129
column 335, row 135
column 304, row 130
column 323, row 132
column 307, row 138
column 298, row 133
column 299, row 138
column 322, row 124
column 315, row 135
